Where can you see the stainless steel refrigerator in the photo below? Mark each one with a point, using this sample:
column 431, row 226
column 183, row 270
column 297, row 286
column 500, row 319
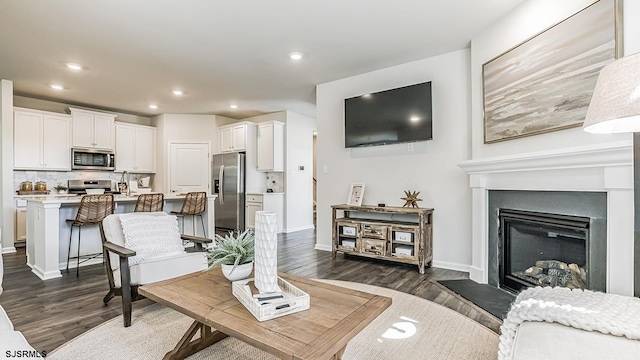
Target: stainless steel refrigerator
column 228, row 184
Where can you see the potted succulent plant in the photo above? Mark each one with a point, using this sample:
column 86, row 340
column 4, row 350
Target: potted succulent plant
column 234, row 252
column 61, row 189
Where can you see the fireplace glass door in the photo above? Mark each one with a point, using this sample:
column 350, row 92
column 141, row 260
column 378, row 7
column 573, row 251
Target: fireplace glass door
column 541, row 249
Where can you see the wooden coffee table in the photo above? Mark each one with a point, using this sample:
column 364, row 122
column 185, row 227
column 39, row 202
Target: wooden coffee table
column 335, row 316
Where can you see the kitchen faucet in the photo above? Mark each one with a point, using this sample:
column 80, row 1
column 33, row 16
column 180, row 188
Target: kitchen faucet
column 127, row 183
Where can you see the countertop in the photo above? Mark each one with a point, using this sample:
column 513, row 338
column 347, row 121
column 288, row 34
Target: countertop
column 75, row 199
column 265, row 193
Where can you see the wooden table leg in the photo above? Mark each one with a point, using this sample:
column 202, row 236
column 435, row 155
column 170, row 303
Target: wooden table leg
column 338, row 355
column 186, row 346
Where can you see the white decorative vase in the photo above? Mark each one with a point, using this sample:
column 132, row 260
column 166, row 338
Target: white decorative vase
column 241, row 271
column 266, row 252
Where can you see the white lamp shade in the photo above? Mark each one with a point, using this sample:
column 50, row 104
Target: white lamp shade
column 615, row 105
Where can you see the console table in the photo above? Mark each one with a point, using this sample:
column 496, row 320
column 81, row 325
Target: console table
column 390, row 233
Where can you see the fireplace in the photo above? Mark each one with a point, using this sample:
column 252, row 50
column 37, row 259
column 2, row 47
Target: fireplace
column 558, row 227
column 594, row 181
column 543, row 249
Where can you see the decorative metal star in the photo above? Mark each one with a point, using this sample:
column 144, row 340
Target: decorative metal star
column 411, row 198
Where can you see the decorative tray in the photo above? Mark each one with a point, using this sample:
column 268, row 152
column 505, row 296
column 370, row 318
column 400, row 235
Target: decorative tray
column 269, row 306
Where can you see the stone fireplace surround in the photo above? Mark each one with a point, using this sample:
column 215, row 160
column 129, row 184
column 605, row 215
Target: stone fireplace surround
column 601, row 167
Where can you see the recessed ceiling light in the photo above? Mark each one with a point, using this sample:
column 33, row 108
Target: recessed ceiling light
column 366, row 95
column 73, row 66
column 414, row 119
column 233, row 106
column 177, row 92
column 153, row 106
column 295, row 56
column 57, row 87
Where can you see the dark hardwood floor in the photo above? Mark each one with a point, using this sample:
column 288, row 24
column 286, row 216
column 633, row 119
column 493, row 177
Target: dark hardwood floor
column 49, row 313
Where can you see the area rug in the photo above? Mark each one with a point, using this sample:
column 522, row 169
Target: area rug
column 411, row 328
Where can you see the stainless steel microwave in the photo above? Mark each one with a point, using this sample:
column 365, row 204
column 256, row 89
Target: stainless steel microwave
column 90, row 159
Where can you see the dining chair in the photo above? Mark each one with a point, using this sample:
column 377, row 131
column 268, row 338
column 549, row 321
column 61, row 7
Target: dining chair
column 149, row 203
column 195, row 204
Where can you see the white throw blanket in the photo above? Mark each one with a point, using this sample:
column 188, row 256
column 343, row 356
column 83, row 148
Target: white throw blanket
column 587, row 310
column 151, row 236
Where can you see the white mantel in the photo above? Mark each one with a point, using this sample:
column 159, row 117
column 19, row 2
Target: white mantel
column 601, row 167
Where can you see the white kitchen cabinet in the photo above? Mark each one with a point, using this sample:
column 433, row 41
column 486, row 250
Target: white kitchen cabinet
column 21, row 222
column 270, row 156
column 41, row 140
column 233, row 138
column 272, row 202
column 254, row 203
column 92, row 129
column 135, row 148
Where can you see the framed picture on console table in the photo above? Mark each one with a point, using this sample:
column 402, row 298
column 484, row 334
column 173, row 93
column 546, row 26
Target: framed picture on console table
column 355, row 194
column 545, row 83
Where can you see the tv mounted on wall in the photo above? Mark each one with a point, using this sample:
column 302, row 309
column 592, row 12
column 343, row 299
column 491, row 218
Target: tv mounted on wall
column 389, row 117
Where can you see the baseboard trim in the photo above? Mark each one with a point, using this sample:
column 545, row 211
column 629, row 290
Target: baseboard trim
column 299, row 228
column 45, row 275
column 8, row 250
column 451, row 266
column 477, row 274
column 322, row 247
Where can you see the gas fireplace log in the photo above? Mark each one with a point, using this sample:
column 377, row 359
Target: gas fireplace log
column 554, row 273
column 533, row 271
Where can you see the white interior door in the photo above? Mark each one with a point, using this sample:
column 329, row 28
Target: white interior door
column 189, row 167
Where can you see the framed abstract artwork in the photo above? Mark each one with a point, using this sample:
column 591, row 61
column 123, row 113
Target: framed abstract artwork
column 545, row 83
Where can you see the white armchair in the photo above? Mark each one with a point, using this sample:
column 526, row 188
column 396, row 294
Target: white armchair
column 143, row 248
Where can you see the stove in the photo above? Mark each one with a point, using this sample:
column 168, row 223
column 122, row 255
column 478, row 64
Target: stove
column 80, row 186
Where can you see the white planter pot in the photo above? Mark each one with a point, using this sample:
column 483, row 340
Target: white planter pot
column 240, row 272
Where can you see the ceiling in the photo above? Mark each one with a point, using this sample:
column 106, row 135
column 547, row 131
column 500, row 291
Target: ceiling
column 221, row 52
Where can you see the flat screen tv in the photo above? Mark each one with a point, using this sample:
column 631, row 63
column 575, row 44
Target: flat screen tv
column 389, row 117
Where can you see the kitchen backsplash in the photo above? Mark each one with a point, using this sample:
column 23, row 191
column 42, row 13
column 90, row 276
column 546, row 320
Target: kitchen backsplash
column 275, row 181
column 54, row 178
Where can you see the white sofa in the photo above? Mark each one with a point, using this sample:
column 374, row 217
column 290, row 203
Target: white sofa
column 12, row 342
column 557, row 323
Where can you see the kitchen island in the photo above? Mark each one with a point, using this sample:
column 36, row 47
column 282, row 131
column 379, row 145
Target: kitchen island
column 48, row 232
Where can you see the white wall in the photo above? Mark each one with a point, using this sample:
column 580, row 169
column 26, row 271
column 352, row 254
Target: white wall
column 388, row 170
column 531, row 18
column 298, row 183
column 631, row 27
column 7, row 220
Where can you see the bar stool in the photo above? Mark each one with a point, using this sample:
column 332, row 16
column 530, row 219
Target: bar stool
column 149, row 203
column 195, row 204
column 92, row 209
